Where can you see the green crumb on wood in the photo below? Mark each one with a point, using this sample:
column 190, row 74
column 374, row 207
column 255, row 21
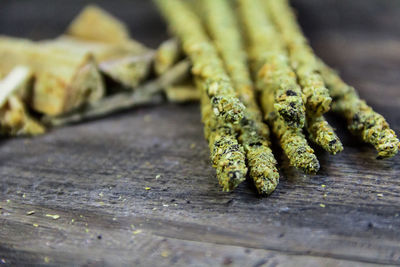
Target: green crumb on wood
column 54, row 217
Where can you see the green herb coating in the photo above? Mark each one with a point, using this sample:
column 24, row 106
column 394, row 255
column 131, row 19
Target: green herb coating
column 302, row 57
column 167, row 55
column 260, row 159
column 207, row 66
column 270, row 59
column 362, row 120
column 292, row 140
column 253, row 133
column 227, row 155
column 321, row 133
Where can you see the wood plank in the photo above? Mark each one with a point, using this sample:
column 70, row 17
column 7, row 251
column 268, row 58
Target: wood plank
column 100, row 170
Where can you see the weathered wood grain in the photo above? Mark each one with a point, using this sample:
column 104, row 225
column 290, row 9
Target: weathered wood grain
column 94, row 175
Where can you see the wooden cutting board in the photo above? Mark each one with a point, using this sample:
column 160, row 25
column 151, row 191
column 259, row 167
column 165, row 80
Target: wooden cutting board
column 94, row 175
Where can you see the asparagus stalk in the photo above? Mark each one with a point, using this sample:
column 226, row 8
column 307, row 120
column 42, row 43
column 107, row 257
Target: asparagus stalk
column 207, row 66
column 144, row 94
column 321, row 133
column 227, row 155
column 302, row 58
column 253, row 136
column 362, row 120
column 167, row 55
column 291, row 139
column 270, row 60
column 64, row 81
column 14, row 119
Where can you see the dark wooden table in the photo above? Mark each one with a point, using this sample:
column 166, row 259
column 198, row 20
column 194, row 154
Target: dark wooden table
column 93, row 175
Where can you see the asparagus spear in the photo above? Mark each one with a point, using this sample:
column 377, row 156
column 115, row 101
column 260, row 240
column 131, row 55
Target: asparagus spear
column 144, row 94
column 321, row 133
column 224, row 30
column 207, row 66
column 270, row 60
column 167, row 55
column 292, row 141
column 302, row 58
column 362, row 120
column 64, row 81
column 227, row 155
column 14, row 119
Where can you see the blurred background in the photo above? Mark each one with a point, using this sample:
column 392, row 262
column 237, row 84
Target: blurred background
column 39, row 19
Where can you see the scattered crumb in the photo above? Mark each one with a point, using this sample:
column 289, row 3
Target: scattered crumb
column 227, row 261
column 114, row 219
column 165, row 205
column 46, row 259
column 81, row 216
column 323, row 186
column 325, row 195
column 8, row 201
column 147, row 118
column 322, row 205
column 147, row 188
column 165, row 253
column 132, row 226
column 87, row 230
column 24, row 195
column 101, row 194
column 136, row 232
column 193, row 145
column 72, row 220
column 30, row 212
column 54, row 217
column 158, row 176
column 379, row 195
column 154, row 208
column 35, row 225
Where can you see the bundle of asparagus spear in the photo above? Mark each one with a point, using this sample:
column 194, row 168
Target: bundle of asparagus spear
column 252, row 70
column 253, row 52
